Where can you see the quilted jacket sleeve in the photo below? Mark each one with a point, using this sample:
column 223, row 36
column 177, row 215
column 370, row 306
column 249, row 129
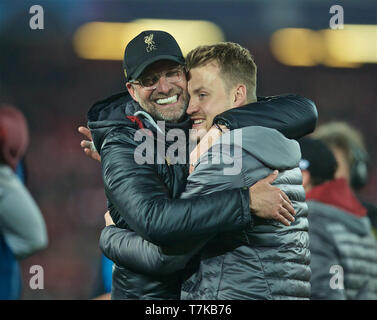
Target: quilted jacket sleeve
column 126, row 248
column 144, row 202
column 292, row 115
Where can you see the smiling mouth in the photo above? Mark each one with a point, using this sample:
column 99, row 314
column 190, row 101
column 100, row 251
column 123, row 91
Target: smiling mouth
column 198, row 123
column 168, row 100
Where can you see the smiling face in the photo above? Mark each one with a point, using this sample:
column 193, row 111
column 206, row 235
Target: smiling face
column 208, row 97
column 168, row 100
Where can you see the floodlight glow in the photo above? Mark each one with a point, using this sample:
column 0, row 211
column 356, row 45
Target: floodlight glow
column 107, row 40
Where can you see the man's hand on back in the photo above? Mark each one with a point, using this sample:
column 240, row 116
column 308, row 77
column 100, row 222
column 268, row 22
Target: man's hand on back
column 87, row 145
column 269, row 202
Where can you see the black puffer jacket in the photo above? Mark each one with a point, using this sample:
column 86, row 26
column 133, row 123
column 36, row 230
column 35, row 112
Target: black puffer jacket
column 143, row 197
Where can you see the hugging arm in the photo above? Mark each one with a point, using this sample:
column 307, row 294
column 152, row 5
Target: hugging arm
column 145, row 203
column 292, row 115
column 126, row 248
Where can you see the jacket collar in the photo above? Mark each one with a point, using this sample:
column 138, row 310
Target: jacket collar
column 338, row 194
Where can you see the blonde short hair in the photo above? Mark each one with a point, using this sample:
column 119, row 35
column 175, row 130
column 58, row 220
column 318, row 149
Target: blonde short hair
column 235, row 62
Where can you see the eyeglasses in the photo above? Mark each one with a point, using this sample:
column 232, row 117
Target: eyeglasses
column 151, row 82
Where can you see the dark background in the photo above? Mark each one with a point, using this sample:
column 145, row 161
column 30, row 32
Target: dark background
column 41, row 74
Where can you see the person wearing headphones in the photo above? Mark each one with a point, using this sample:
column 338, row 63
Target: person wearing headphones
column 352, row 157
column 343, row 249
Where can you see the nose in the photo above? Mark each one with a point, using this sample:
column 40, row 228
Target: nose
column 163, row 86
column 192, row 107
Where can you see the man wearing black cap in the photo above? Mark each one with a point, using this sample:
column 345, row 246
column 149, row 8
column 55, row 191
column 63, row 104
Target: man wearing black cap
column 343, row 249
column 141, row 197
column 146, row 59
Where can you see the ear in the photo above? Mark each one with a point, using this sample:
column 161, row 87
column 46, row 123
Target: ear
column 239, row 96
column 131, row 90
column 306, row 179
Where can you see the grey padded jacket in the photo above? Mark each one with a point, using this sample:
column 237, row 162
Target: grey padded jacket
column 268, row 260
column 340, row 239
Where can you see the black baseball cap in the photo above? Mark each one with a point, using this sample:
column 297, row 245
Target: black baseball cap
column 148, row 47
column 317, row 158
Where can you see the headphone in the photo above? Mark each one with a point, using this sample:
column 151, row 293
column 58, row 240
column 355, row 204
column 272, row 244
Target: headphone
column 359, row 168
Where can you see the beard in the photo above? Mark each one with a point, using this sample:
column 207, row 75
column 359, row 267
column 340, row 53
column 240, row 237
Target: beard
column 169, row 114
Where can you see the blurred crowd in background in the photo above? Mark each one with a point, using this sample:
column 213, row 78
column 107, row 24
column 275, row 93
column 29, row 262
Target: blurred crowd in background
column 41, row 74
